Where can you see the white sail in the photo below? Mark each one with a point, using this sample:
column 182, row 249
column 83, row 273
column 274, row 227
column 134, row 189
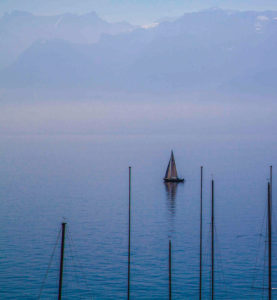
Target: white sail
column 171, row 171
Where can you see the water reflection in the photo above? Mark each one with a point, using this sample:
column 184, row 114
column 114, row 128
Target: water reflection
column 171, row 191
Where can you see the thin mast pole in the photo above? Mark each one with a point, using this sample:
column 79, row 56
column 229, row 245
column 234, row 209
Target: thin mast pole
column 129, row 236
column 212, row 240
column 169, row 269
column 61, row 262
column 200, row 258
column 271, row 187
column 269, row 238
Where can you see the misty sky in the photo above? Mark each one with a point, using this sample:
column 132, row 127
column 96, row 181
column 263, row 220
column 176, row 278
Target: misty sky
column 134, row 11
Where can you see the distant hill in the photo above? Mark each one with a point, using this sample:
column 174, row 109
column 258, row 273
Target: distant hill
column 19, row 30
column 227, row 51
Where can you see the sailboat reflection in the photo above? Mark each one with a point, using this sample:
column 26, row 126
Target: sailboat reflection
column 171, row 191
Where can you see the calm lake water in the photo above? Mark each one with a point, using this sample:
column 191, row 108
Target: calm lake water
column 83, row 180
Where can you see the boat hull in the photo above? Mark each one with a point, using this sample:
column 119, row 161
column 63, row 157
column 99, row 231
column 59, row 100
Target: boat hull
column 174, row 179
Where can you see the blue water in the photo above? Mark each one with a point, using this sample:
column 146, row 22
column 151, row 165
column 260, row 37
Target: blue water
column 83, row 180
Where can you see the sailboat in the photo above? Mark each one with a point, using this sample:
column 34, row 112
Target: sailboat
column 171, row 171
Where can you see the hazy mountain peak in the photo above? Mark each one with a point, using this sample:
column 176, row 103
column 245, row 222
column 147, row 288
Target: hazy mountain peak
column 151, row 25
column 91, row 14
column 19, row 29
column 262, row 18
column 17, row 14
column 214, row 9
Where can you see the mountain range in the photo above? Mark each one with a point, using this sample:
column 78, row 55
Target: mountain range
column 210, row 50
column 19, row 30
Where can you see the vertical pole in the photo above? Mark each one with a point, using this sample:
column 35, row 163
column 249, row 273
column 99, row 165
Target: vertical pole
column 212, row 240
column 61, row 262
column 271, row 188
column 129, row 235
column 269, row 238
column 169, row 270
column 200, row 258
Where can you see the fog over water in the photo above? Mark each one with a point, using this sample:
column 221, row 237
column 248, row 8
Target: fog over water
column 176, row 116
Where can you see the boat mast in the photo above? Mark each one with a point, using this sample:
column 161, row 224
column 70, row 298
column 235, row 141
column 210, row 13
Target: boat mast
column 212, row 242
column 129, row 236
column 61, row 261
column 271, row 185
column 169, row 270
column 200, row 258
column 269, row 215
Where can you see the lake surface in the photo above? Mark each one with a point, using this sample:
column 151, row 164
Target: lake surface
column 83, row 180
